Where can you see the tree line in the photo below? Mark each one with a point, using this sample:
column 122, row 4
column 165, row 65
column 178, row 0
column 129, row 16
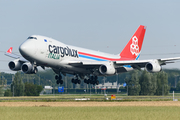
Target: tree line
column 18, row 88
column 145, row 83
column 138, row 82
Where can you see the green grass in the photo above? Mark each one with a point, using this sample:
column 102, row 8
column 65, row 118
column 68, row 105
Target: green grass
column 71, row 97
column 89, row 113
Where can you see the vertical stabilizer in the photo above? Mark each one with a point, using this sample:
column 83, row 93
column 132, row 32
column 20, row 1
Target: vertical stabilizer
column 133, row 48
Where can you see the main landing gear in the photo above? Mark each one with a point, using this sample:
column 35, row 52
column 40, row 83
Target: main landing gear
column 75, row 80
column 59, row 79
column 92, row 80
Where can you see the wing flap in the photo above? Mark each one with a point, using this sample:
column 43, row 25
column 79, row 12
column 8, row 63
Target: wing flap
column 86, row 62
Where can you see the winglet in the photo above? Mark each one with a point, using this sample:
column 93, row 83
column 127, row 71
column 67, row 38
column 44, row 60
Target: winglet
column 133, row 48
column 10, row 50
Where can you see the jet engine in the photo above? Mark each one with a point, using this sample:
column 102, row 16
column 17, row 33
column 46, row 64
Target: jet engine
column 107, row 69
column 28, row 68
column 15, row 65
column 153, row 66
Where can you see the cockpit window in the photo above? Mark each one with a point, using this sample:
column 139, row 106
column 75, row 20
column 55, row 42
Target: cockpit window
column 32, row 38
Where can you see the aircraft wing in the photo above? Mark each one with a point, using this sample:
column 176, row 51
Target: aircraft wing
column 141, row 62
column 133, row 63
column 170, row 59
column 10, row 54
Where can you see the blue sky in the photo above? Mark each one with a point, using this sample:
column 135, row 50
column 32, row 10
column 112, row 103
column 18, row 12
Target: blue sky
column 104, row 25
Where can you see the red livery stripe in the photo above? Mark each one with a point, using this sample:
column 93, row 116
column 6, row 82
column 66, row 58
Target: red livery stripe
column 96, row 56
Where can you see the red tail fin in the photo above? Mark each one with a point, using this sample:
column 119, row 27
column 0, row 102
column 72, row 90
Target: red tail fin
column 9, row 50
column 133, row 48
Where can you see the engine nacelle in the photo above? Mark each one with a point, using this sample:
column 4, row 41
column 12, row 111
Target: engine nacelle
column 15, row 65
column 153, row 66
column 28, row 68
column 107, row 69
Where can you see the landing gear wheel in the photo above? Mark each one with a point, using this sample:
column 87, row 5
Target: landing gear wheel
column 93, row 82
column 92, row 78
column 60, row 77
column 57, row 82
column 88, row 81
column 97, row 82
column 72, row 80
column 61, row 82
column 85, row 80
column 35, row 70
column 76, row 81
column 79, row 81
column 56, row 77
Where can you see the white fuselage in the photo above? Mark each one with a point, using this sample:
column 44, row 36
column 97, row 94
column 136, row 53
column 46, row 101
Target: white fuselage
column 48, row 52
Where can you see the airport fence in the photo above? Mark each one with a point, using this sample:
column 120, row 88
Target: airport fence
column 90, row 91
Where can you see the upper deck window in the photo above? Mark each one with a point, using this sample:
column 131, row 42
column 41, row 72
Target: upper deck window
column 32, row 38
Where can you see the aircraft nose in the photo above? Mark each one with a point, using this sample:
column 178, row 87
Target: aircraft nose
column 27, row 48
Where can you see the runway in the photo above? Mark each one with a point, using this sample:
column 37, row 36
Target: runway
column 89, row 104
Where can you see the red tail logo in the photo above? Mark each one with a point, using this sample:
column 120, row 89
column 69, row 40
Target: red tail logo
column 9, row 50
column 133, row 48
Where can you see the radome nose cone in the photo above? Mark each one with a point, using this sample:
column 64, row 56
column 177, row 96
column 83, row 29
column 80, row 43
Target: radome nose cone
column 22, row 48
column 27, row 48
